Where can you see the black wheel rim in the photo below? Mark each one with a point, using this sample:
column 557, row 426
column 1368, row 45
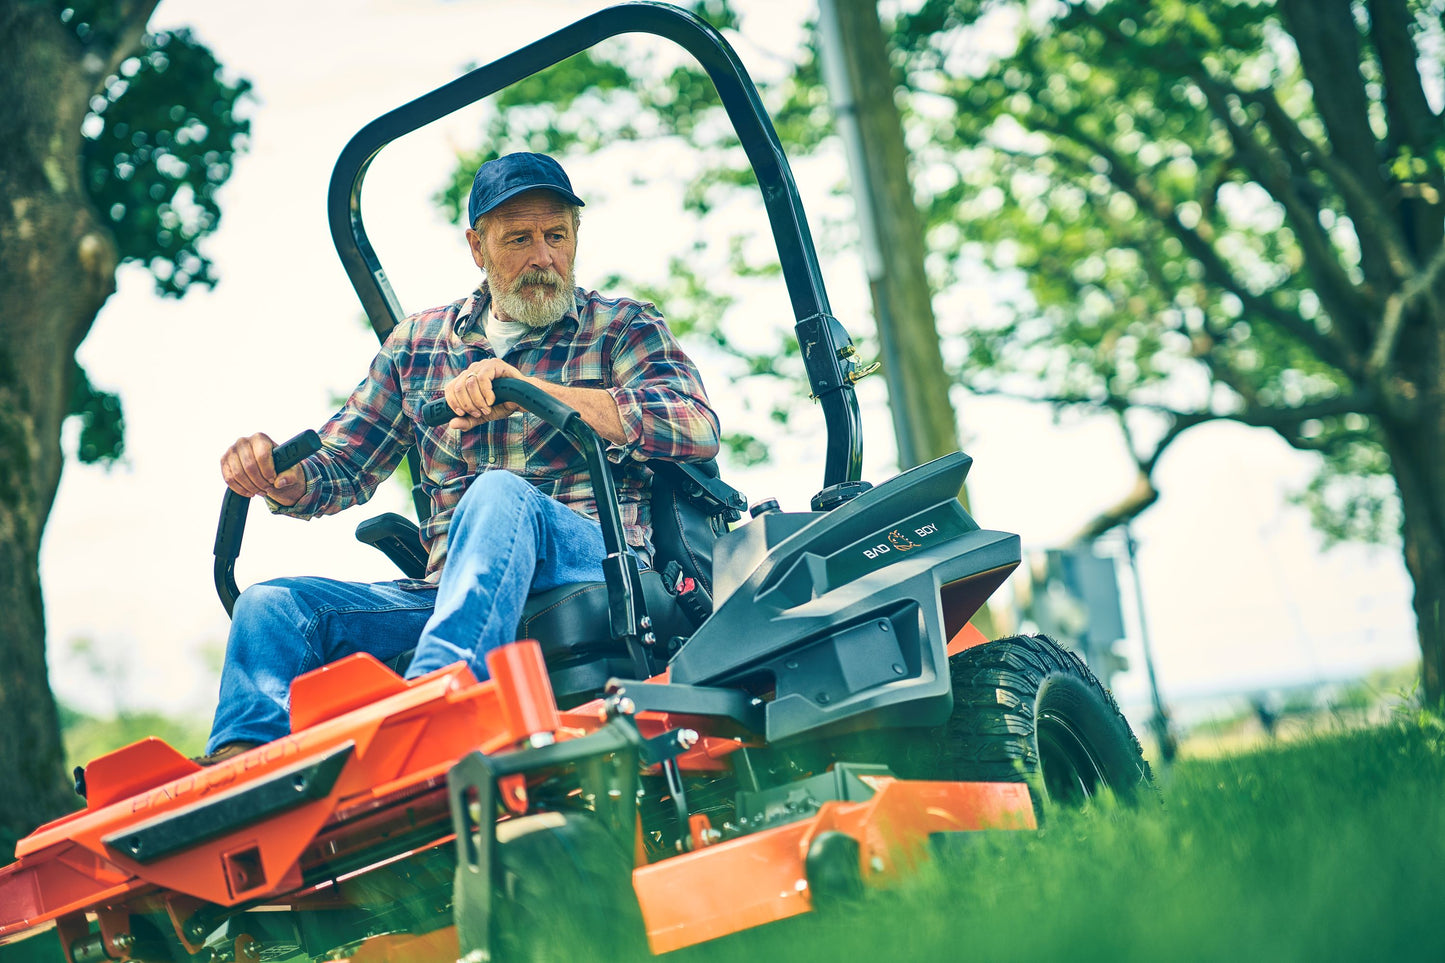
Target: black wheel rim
column 1072, row 772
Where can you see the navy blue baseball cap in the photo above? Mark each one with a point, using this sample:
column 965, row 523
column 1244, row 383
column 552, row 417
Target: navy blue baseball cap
column 512, row 174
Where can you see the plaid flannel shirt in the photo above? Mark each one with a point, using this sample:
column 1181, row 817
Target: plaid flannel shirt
column 619, row 345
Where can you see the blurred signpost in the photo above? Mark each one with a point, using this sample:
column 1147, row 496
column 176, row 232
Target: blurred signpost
column 1074, row 597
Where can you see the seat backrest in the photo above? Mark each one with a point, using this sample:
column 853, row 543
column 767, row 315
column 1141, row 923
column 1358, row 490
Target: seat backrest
column 691, row 507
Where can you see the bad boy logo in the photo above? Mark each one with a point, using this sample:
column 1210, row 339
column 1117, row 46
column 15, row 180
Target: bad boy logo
column 900, row 541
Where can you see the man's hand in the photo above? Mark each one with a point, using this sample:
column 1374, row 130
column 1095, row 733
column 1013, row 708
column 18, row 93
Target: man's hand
column 470, row 394
column 249, row 470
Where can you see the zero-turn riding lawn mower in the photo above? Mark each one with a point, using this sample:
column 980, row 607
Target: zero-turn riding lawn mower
column 780, row 714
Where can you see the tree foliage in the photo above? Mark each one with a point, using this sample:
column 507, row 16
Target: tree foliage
column 160, row 140
column 1202, row 225
column 154, row 159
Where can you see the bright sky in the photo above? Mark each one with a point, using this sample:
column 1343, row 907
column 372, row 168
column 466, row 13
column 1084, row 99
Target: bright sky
column 1238, row 593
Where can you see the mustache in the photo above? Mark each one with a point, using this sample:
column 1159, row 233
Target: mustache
column 548, row 278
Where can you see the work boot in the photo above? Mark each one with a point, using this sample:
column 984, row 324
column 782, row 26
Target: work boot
column 229, row 751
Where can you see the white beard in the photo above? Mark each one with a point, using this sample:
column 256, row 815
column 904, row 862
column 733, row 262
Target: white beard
column 534, row 309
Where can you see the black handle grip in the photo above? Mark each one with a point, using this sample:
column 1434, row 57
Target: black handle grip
column 529, row 396
column 232, row 525
column 437, row 413
column 233, row 512
column 289, row 454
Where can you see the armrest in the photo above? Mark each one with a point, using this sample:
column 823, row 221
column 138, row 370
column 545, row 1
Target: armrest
column 399, row 539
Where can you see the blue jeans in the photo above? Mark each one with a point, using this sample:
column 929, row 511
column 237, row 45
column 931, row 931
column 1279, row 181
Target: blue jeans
column 506, row 540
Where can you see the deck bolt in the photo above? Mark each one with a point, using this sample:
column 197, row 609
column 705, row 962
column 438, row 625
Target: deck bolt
column 876, row 864
column 645, row 622
column 687, row 738
column 897, row 668
column 122, row 942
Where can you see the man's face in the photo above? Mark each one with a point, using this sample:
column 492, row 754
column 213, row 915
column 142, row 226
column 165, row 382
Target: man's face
column 527, row 249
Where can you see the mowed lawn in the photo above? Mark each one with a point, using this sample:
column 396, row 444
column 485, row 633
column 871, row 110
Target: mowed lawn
column 1327, row 848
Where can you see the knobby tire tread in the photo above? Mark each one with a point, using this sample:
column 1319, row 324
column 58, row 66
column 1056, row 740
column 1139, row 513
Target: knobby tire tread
column 992, row 734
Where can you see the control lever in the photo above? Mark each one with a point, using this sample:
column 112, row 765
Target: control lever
column 232, row 525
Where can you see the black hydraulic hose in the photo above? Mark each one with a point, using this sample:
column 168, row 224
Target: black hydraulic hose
column 233, row 517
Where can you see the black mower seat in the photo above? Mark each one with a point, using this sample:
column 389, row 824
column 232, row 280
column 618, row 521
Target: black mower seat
column 571, row 622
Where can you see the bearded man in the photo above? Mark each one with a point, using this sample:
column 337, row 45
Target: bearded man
column 512, row 507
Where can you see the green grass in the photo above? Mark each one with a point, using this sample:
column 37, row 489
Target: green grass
column 1329, row 848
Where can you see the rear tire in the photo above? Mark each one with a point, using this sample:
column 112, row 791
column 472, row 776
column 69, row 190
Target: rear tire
column 1028, row 710
column 564, row 891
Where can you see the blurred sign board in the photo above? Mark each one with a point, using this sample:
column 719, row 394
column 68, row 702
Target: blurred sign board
column 1072, row 595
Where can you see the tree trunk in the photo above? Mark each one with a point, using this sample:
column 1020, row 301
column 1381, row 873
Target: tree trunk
column 57, row 267
column 1417, row 456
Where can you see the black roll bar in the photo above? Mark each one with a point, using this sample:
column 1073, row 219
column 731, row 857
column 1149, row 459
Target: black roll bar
column 826, row 346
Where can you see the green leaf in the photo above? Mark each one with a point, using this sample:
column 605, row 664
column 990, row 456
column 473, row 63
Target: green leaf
column 161, row 139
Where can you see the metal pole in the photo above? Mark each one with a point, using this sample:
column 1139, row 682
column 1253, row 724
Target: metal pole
column 1168, row 746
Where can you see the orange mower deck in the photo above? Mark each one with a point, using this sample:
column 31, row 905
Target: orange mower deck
column 363, row 779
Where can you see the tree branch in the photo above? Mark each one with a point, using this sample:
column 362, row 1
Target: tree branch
column 1411, row 120
column 1283, row 421
column 1278, row 418
column 1328, row 42
column 1371, row 216
column 1134, row 185
column 125, row 28
column 1345, row 304
column 1392, row 321
column 1142, row 495
column 1126, row 509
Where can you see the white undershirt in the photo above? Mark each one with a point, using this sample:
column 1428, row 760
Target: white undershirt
column 503, row 334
